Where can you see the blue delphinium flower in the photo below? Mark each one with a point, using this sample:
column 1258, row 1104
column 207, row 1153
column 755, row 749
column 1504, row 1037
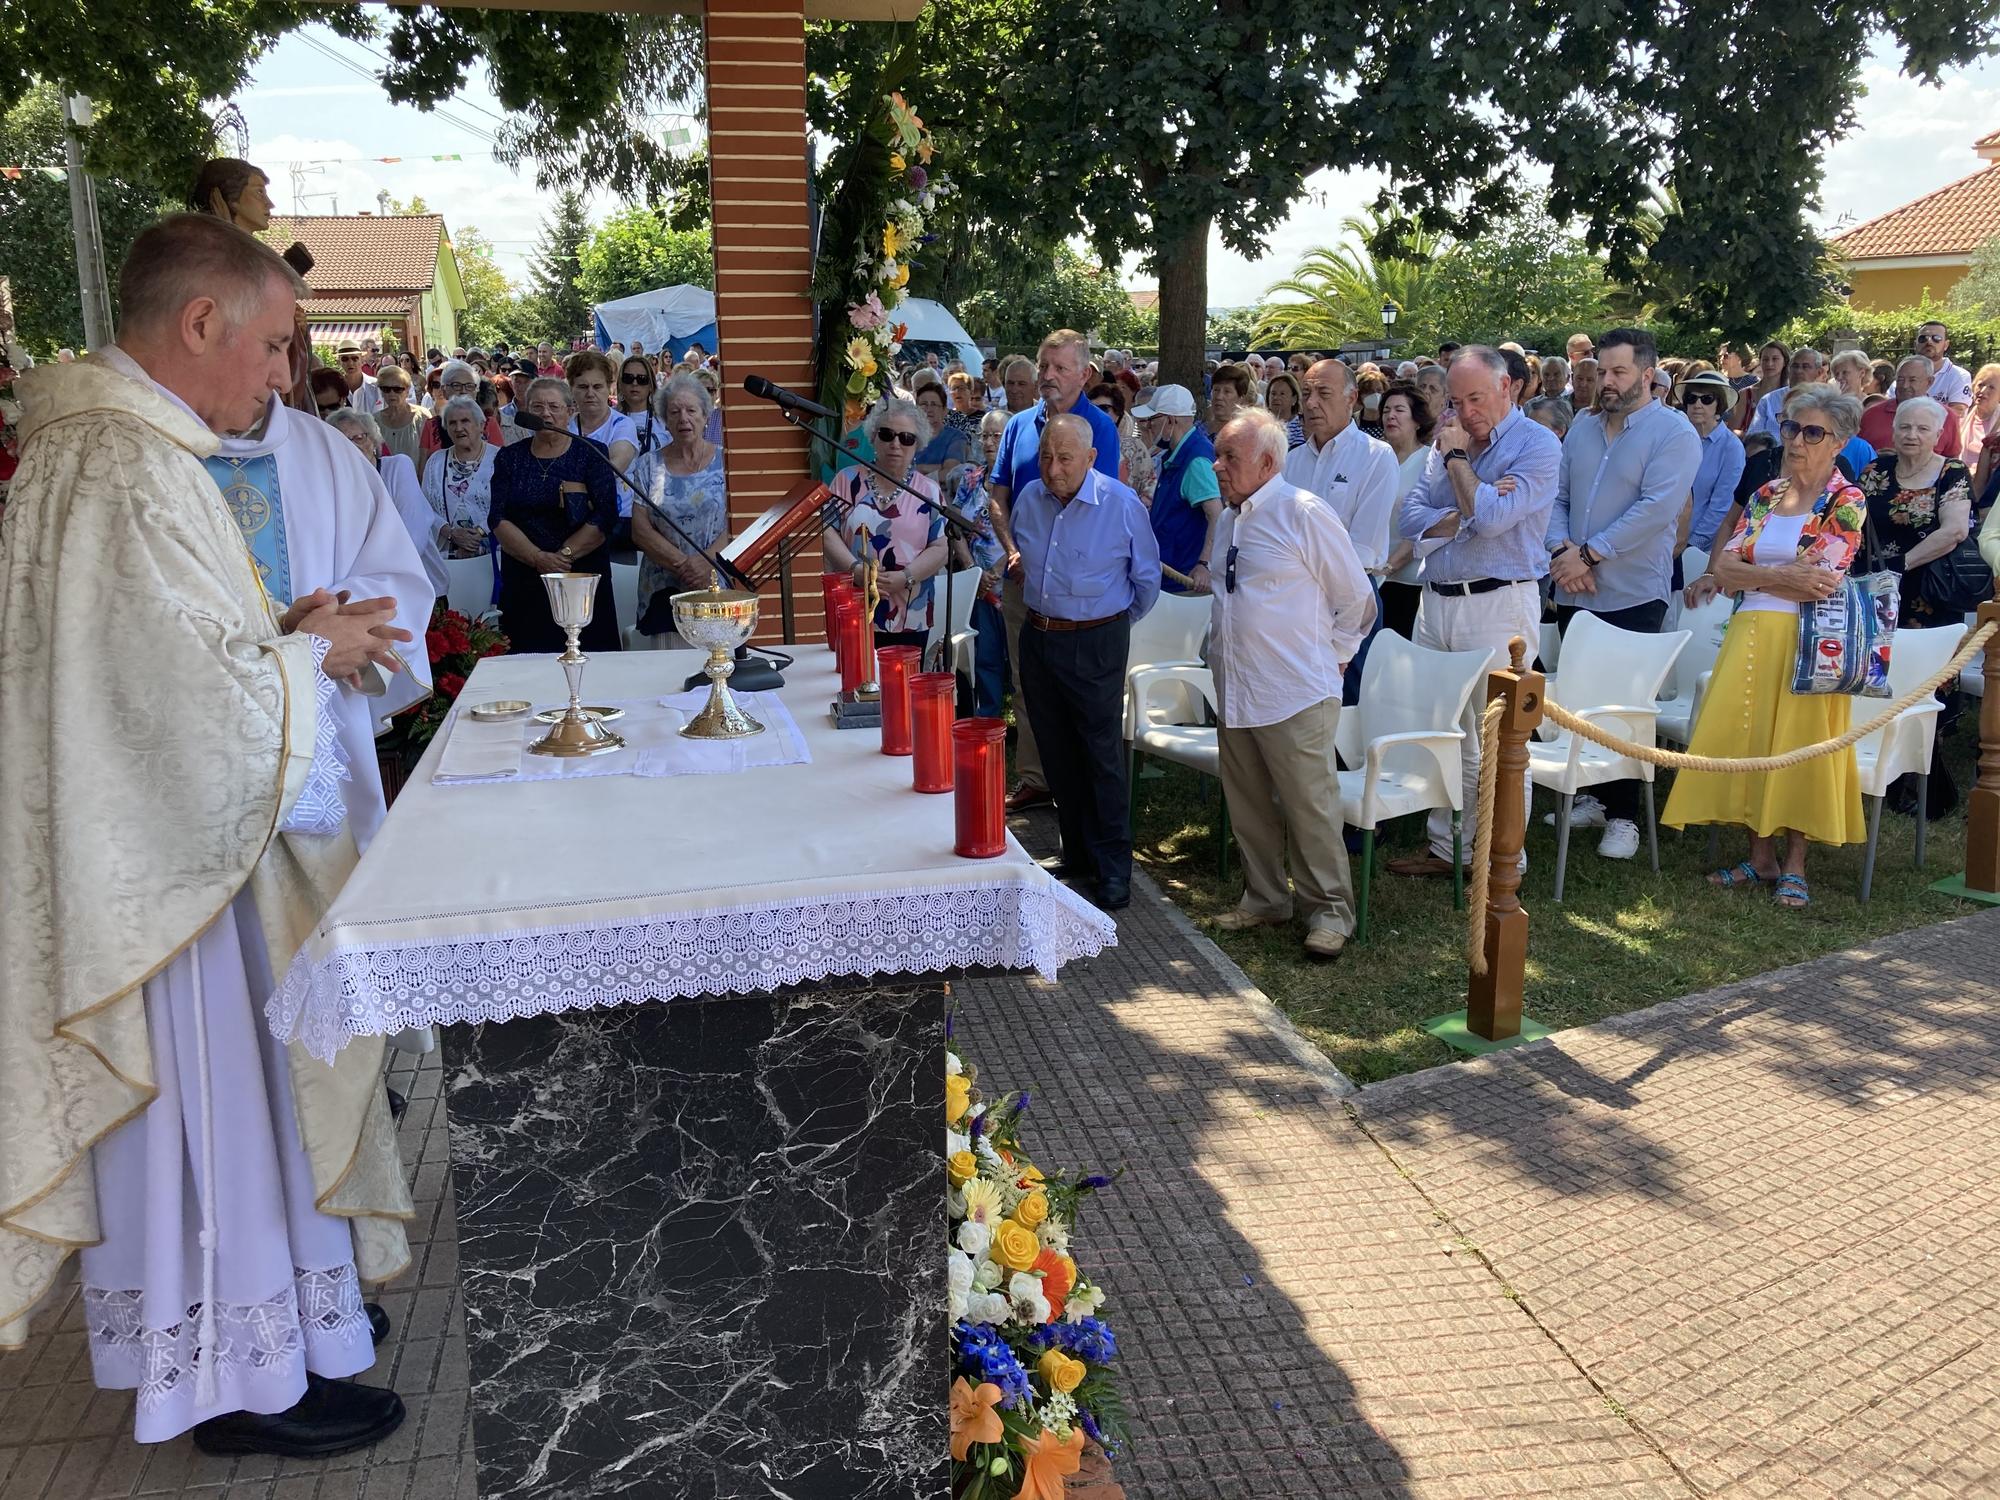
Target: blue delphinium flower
column 984, row 1355
column 1088, row 1339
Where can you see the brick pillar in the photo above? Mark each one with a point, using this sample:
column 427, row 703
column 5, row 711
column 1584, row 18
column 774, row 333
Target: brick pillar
column 763, row 261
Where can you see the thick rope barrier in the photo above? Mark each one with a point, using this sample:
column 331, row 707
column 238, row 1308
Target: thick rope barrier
column 1482, row 835
column 1489, row 735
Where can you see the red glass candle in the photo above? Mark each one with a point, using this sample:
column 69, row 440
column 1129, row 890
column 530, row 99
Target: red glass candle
column 830, row 585
column 847, row 641
column 979, row 787
column 898, row 664
column 933, row 704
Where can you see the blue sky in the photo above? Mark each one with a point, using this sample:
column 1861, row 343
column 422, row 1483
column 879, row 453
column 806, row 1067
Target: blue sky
column 319, row 110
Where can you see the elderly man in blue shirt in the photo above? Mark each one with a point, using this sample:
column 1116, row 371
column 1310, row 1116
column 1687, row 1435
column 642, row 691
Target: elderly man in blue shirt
column 1627, row 469
column 1479, row 517
column 1062, row 367
column 1089, row 568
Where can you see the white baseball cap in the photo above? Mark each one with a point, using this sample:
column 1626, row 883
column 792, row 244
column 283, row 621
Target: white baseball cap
column 1168, row 401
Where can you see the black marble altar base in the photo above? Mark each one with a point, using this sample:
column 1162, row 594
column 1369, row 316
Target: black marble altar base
column 700, row 1246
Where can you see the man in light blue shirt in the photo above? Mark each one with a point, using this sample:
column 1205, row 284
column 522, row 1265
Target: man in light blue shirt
column 1089, row 568
column 1627, row 469
column 1479, row 517
column 1062, row 365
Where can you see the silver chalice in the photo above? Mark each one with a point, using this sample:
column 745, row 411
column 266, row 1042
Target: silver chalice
column 572, row 601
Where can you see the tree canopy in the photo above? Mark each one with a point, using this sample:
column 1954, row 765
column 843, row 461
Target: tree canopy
column 636, row 250
column 557, row 302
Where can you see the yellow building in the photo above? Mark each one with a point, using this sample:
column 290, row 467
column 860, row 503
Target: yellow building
column 1890, row 261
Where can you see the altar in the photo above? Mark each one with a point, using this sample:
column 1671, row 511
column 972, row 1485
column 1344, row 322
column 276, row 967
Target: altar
column 698, row 1169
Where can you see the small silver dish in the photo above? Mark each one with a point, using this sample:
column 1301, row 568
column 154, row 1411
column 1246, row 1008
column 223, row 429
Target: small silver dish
column 500, row 708
column 602, row 715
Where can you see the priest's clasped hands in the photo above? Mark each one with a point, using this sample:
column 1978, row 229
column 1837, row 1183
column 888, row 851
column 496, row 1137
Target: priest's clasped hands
column 359, row 632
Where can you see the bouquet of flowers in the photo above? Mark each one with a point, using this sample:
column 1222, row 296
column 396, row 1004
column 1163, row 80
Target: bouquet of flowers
column 455, row 644
column 1031, row 1377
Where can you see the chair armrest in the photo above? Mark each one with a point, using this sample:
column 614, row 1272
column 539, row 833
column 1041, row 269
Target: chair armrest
column 1142, row 682
column 1444, row 746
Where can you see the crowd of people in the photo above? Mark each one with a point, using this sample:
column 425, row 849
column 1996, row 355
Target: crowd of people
column 1460, row 499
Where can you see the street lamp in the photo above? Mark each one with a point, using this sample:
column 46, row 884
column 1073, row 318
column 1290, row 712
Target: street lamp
column 1388, row 323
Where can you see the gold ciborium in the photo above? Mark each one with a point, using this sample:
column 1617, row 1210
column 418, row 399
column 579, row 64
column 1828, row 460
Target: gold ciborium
column 718, row 620
column 572, row 600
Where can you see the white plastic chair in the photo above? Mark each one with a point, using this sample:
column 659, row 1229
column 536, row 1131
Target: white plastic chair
column 1904, row 744
column 1174, row 709
column 960, row 651
column 1403, row 743
column 1694, row 563
column 469, row 585
column 1168, row 635
column 1706, row 625
column 625, row 595
column 1610, row 677
column 1972, row 676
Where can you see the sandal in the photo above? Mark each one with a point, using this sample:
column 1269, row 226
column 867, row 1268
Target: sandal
column 1792, row 892
column 1743, row 874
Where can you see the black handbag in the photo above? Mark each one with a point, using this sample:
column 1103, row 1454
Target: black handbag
column 1957, row 583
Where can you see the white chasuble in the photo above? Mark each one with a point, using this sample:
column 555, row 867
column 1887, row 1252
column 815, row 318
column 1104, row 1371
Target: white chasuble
column 173, row 830
column 300, row 485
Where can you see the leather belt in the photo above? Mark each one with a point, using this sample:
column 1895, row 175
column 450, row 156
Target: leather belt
column 1476, row 586
column 1043, row 622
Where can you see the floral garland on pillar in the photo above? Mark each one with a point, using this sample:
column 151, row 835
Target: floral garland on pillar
column 873, row 232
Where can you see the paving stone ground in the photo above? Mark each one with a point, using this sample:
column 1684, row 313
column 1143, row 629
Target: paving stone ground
column 1737, row 1245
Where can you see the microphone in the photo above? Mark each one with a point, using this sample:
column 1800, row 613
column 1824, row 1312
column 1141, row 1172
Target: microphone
column 527, row 421
column 765, row 390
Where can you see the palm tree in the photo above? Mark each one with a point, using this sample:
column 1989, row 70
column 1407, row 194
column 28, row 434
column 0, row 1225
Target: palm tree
column 1335, row 295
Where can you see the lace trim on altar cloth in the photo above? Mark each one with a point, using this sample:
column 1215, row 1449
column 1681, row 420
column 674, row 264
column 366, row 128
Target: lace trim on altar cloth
column 252, row 1337
column 321, row 808
column 510, row 975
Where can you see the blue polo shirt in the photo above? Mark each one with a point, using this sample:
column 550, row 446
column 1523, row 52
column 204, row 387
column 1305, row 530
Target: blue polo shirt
column 1018, row 464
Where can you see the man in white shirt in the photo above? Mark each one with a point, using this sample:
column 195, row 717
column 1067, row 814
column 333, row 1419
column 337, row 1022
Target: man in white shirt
column 1291, row 607
column 1952, row 384
column 362, row 394
column 1354, row 473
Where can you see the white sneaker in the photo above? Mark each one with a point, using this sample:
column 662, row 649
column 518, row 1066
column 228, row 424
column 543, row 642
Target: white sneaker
column 1584, row 812
column 1621, row 839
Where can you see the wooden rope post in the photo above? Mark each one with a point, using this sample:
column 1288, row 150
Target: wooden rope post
column 1493, row 999
column 1982, row 817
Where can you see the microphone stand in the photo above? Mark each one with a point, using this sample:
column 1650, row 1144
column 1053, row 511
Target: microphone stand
column 749, row 676
column 955, row 521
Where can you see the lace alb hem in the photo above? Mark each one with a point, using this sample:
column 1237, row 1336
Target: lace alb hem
column 510, row 975
column 321, row 808
column 252, row 1337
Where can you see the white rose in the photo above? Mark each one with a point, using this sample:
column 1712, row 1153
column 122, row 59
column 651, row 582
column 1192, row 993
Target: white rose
column 1083, row 1303
column 956, row 1141
column 952, row 1066
column 988, row 1275
column 975, row 1239
column 987, row 1307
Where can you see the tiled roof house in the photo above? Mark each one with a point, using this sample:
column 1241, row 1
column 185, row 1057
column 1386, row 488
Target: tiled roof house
column 1892, row 259
column 376, row 271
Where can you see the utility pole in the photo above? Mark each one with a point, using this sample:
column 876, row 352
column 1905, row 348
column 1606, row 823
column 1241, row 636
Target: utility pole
column 92, row 283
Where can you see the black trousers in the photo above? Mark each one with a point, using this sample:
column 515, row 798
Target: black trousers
column 1399, row 607
column 1074, row 681
column 1620, row 798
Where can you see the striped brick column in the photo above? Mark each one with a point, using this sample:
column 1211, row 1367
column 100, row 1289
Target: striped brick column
column 763, row 261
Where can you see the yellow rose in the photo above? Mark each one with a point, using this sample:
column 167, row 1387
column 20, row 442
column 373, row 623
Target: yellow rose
column 957, row 1090
column 1029, row 1172
column 1062, row 1373
column 1015, row 1246
column 961, row 1168
column 1031, row 1210
column 901, row 278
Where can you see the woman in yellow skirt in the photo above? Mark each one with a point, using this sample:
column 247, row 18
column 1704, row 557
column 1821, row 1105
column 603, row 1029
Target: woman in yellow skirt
column 1794, row 545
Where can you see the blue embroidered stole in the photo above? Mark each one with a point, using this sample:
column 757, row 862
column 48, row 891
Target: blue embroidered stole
column 250, row 488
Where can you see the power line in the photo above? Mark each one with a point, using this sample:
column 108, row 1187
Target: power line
column 341, row 60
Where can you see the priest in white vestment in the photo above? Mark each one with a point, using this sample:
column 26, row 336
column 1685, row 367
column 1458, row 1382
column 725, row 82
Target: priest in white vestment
column 315, row 514
column 174, row 825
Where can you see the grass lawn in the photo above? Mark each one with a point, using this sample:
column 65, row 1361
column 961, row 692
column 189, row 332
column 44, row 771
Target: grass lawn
column 1621, row 939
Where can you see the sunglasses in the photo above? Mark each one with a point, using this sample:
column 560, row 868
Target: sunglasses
column 1930, row 338
column 1811, row 433
column 1700, row 398
column 1229, row 571
column 907, row 439
column 636, row 379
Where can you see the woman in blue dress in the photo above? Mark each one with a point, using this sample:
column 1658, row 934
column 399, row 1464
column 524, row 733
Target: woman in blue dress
column 555, row 505
column 684, row 480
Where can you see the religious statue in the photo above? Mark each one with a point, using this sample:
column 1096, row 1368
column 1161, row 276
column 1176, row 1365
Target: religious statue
column 239, row 192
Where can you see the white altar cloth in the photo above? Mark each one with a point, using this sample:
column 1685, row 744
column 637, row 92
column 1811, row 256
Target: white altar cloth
column 493, row 902
column 481, row 751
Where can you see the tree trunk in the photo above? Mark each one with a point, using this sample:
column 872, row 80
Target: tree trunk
column 1183, row 267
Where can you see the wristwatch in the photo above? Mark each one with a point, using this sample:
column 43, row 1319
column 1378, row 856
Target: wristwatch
column 565, row 552
column 1458, row 453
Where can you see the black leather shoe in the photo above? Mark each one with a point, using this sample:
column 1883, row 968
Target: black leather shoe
column 397, row 1104
column 334, row 1416
column 378, row 1322
column 1114, row 895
